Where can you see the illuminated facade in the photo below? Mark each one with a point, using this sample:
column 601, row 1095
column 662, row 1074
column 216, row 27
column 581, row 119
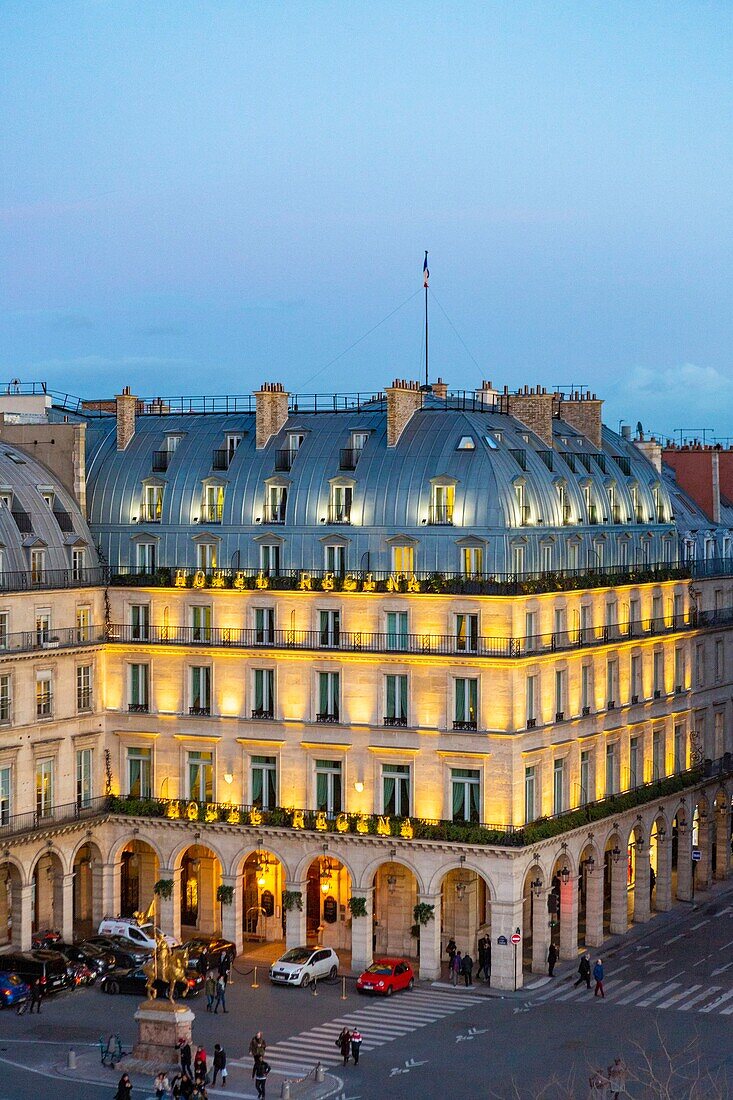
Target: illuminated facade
column 350, row 656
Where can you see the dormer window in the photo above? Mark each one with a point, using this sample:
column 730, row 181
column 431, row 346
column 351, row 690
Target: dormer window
column 441, row 503
column 359, row 440
column 222, row 457
column 636, row 504
column 339, row 509
column 6, row 498
column 659, row 513
column 522, row 506
column 152, row 504
column 48, row 498
column 295, row 441
column 276, row 502
column 231, row 442
column 562, row 493
column 614, row 508
column 212, row 506
column 349, row 456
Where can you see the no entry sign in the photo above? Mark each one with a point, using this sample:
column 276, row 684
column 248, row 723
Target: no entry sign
column 516, row 938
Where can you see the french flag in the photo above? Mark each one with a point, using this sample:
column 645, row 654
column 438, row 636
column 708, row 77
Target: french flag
column 425, row 272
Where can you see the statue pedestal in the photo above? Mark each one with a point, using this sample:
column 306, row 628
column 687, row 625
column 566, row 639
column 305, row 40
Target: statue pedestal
column 161, row 1024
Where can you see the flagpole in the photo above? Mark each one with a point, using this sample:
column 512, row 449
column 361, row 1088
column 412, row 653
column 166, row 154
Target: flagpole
column 425, row 281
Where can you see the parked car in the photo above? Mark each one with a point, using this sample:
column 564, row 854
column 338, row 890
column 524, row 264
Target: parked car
column 204, row 952
column 386, row 976
column 96, row 958
column 301, row 964
column 138, row 935
column 49, row 966
column 13, row 990
column 79, row 973
column 47, row 937
column 122, row 951
column 133, row 980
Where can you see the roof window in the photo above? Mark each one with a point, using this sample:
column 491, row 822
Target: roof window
column 491, row 442
column 466, row 443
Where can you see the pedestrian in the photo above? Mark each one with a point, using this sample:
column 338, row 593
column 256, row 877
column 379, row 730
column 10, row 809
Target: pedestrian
column 356, row 1040
column 221, row 994
column 467, row 969
column 225, row 966
column 37, row 991
column 199, row 1089
column 450, row 950
column 617, row 1076
column 260, row 1070
column 456, row 964
column 219, row 1065
column 124, row 1088
column 210, row 990
column 161, row 1085
column 186, row 1088
column 551, row 960
column 584, row 971
column 199, row 1064
column 652, row 882
column 257, row 1046
column 176, row 1087
column 186, row 1070
column 598, row 978
column 484, row 952
column 344, row 1044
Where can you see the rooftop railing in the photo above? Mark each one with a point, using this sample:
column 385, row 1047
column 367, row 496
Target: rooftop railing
column 35, row 580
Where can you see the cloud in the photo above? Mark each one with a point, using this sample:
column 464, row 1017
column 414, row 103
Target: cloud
column 686, row 396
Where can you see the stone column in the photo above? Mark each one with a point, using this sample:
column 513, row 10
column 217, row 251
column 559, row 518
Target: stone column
column 705, row 863
column 684, row 864
column 430, row 939
column 361, row 933
column 642, row 904
column 569, row 918
column 540, row 934
column 111, row 889
column 169, row 909
column 506, row 963
column 722, row 842
column 663, row 898
column 25, row 932
column 231, row 915
column 619, row 896
column 295, row 919
column 97, row 887
column 67, row 908
column 594, row 908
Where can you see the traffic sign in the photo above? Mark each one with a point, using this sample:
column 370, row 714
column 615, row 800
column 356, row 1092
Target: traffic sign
column 516, row 938
column 502, row 941
column 696, row 855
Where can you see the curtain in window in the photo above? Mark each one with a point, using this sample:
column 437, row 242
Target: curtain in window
column 391, row 692
column 321, row 791
column 474, row 802
column 389, row 795
column 458, row 801
column 257, row 785
column 323, row 693
column 403, row 697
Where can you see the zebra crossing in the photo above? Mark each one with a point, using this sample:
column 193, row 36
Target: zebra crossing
column 379, row 1022
column 678, row 996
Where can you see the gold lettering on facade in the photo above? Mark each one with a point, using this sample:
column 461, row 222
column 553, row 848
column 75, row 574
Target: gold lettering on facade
column 327, row 582
column 298, row 819
column 262, row 581
column 383, row 828
column 173, row 810
column 342, row 823
column 369, row 584
column 180, row 580
column 406, row 830
column 199, row 579
column 349, row 584
column 305, row 584
column 362, row 825
column 238, row 581
column 192, row 811
column 218, row 580
column 321, row 822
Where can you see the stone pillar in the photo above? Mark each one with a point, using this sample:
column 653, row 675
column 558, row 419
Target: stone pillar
column 361, row 934
column 619, row 896
column 569, row 918
column 67, row 908
column 663, row 896
column 295, row 919
column 684, row 864
column 722, row 842
column 25, row 932
column 540, row 934
column 705, row 863
column 430, row 939
column 111, row 889
column 169, row 909
column 506, row 962
column 594, row 908
column 96, row 878
column 642, row 902
column 231, row 920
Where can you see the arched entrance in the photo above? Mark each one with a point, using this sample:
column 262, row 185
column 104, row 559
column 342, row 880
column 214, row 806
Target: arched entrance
column 139, row 869
column 10, row 886
column 395, row 897
column 328, row 920
column 200, row 879
column 465, row 911
column 48, row 896
column 87, row 890
column 263, row 882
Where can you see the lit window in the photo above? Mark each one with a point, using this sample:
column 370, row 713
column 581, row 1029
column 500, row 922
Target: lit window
column 472, row 561
column 201, row 776
column 45, row 787
column 84, row 778
column 139, row 772
column 465, row 794
column 396, row 789
column 466, row 443
column 328, row 786
column 403, row 559
column 263, row 777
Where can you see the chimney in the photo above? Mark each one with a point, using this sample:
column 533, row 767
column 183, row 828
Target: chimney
column 652, row 448
column 403, row 399
column 487, row 395
column 697, row 471
column 533, row 406
column 440, row 389
column 582, row 411
column 125, row 408
column 271, row 412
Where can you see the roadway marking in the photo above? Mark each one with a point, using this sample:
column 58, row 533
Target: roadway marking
column 674, row 939
column 726, row 945
column 697, row 998
column 636, row 993
column 700, row 924
column 677, row 997
column 718, row 1001
column 659, row 993
column 720, row 970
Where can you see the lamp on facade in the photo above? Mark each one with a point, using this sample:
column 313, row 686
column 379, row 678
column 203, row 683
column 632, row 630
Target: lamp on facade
column 228, row 778
column 536, row 886
column 565, row 875
column 391, row 883
column 590, row 864
column 616, row 853
column 358, row 786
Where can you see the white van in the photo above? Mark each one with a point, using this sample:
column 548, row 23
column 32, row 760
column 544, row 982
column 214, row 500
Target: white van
column 141, row 935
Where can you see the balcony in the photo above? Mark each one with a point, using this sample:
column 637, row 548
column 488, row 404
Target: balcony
column 284, row 460
column 520, row 456
column 263, row 712
column 220, row 460
column 623, row 463
column 274, row 513
column 211, row 513
column 23, row 521
column 339, row 513
column 465, row 725
column 393, row 721
column 64, row 521
column 197, row 711
column 325, row 716
column 440, row 515
column 161, row 461
column 138, row 708
column 348, row 458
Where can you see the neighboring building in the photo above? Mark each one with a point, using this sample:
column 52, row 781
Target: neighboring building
column 415, row 648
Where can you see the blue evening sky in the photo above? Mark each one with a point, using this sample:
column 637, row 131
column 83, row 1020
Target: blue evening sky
column 197, row 197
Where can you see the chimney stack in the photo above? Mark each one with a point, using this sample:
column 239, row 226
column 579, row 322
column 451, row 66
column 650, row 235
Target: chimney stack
column 582, row 411
column 652, row 448
column 697, row 471
column 271, row 412
column 403, row 399
column 533, row 406
column 125, row 409
column 440, row 389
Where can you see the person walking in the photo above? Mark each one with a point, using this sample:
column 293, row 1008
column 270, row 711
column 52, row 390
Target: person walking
column 186, row 1070
column 467, row 969
column 36, row 996
column 484, row 954
column 450, row 950
column 219, row 1065
column 456, row 964
column 617, row 1076
column 583, row 971
column 356, row 1041
column 225, row 966
column 199, row 1064
column 652, row 882
column 257, row 1046
column 260, row 1071
column 344, row 1044
column 161, row 1085
column 221, row 994
column 598, row 978
column 176, row 1087
column 551, row 960
column 124, row 1088
column 210, row 990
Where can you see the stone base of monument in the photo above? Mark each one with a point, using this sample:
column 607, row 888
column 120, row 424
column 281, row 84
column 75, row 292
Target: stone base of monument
column 161, row 1026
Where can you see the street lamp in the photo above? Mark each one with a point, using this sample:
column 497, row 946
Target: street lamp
column 536, row 886
column 590, row 864
column 565, row 875
column 616, row 853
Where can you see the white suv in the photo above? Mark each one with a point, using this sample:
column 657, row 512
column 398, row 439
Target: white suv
column 141, row 935
column 301, row 964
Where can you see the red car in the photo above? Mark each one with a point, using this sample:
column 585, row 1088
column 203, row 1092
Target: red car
column 386, row 976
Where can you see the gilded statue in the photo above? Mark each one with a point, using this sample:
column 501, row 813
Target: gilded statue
column 167, row 964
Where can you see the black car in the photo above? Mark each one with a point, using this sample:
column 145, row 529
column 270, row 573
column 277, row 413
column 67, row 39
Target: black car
column 124, row 954
column 205, row 951
column 133, row 980
column 50, row 966
column 96, row 958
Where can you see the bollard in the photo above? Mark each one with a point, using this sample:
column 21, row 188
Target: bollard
column 285, row 1091
column 314, row 987
column 254, row 980
column 319, row 1072
column 71, row 1060
column 343, row 989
